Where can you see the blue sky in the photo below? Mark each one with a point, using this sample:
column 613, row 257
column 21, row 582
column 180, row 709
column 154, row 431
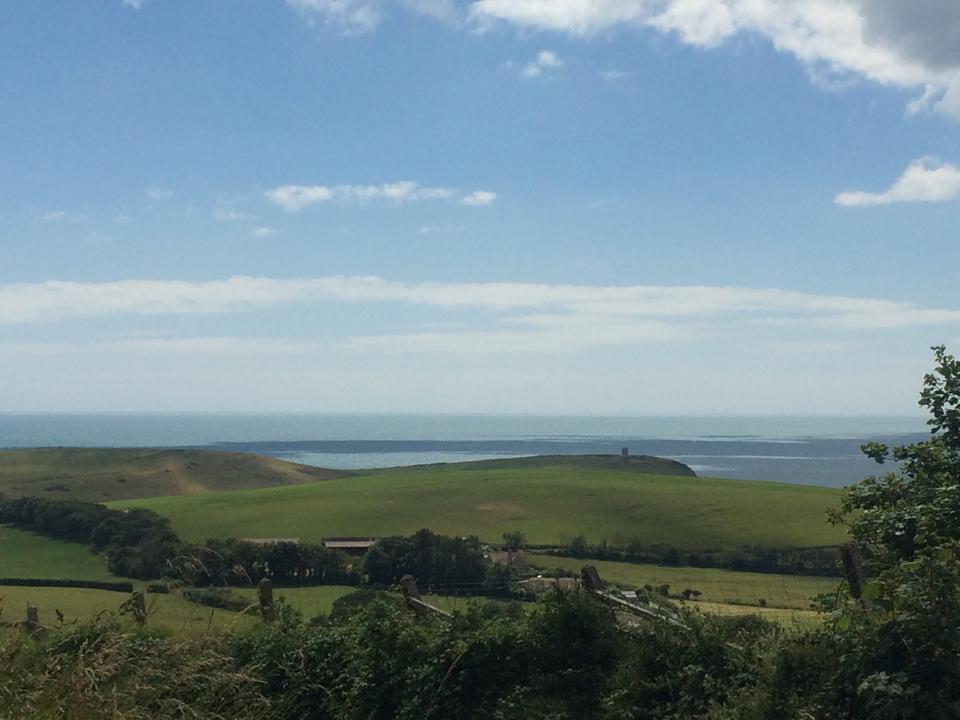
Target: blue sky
column 523, row 206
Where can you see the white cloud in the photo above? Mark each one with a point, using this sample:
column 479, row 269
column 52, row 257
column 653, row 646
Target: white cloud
column 698, row 22
column 924, row 180
column 63, row 216
column 613, row 75
column 157, row 193
column 580, row 17
column 356, row 16
column 297, row 197
column 440, row 229
column 910, row 45
column 544, row 61
column 227, row 213
column 135, row 4
column 526, row 303
column 361, row 16
column 263, row 232
column 479, row 197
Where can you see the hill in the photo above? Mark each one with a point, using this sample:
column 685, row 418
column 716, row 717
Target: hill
column 99, row 475
column 550, row 499
column 643, row 464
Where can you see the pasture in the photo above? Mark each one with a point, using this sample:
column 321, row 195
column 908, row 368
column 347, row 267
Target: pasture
column 28, row 555
column 549, row 502
column 726, row 587
column 81, row 605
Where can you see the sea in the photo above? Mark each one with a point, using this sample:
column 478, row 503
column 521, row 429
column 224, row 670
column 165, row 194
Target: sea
column 807, row 450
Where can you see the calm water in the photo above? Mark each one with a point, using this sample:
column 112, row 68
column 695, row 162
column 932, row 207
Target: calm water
column 810, row 450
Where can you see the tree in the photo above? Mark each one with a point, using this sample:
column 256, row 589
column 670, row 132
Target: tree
column 898, row 647
column 515, row 540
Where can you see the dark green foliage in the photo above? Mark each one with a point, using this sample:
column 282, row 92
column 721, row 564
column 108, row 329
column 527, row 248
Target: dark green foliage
column 434, row 560
column 218, row 597
column 568, row 660
column 141, row 544
column 124, row 587
column 897, row 651
column 821, row 561
column 352, row 603
column 514, row 540
column 234, row 562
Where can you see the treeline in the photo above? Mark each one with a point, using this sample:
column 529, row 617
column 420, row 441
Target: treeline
column 793, row 561
column 141, row 544
column 137, row 543
column 123, row 587
column 238, row 563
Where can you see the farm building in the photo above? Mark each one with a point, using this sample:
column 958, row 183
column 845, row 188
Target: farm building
column 350, row 545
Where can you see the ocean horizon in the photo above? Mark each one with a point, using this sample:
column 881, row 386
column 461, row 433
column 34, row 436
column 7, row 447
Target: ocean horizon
column 814, row 450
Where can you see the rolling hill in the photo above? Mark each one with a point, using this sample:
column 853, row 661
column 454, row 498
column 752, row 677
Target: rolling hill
column 550, row 499
column 100, row 475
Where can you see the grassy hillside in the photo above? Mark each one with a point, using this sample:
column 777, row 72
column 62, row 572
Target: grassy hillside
column 549, row 502
column 643, row 464
column 99, row 475
column 26, row 555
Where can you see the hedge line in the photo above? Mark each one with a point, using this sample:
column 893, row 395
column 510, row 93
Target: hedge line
column 124, row 587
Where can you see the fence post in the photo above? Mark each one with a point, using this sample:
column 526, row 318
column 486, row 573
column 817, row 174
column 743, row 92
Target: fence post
column 411, row 595
column 409, row 586
column 138, row 604
column 853, row 569
column 591, row 578
column 32, row 623
column 265, row 596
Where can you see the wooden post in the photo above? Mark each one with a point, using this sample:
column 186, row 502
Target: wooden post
column 408, row 585
column 853, row 569
column 591, row 578
column 138, row 605
column 32, row 624
column 265, row 596
column 411, row 595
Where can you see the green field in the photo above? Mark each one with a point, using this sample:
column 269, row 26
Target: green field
column 548, row 502
column 727, row 587
column 311, row 601
column 26, row 555
column 102, row 474
column 79, row 605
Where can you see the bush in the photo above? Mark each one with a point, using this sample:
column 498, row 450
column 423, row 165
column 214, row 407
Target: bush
column 218, row 597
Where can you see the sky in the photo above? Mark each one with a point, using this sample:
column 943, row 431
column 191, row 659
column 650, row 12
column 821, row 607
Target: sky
column 625, row 207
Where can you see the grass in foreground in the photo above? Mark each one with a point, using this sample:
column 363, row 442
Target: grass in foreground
column 548, row 503
column 80, row 605
column 726, row 587
column 27, row 555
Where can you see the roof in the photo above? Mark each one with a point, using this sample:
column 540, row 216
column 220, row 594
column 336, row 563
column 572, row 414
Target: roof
column 349, row 542
column 272, row 541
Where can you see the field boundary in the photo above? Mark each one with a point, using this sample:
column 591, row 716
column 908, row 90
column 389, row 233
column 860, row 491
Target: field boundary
column 124, row 587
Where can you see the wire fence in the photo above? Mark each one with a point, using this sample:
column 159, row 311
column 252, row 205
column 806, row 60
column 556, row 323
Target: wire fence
column 780, row 597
